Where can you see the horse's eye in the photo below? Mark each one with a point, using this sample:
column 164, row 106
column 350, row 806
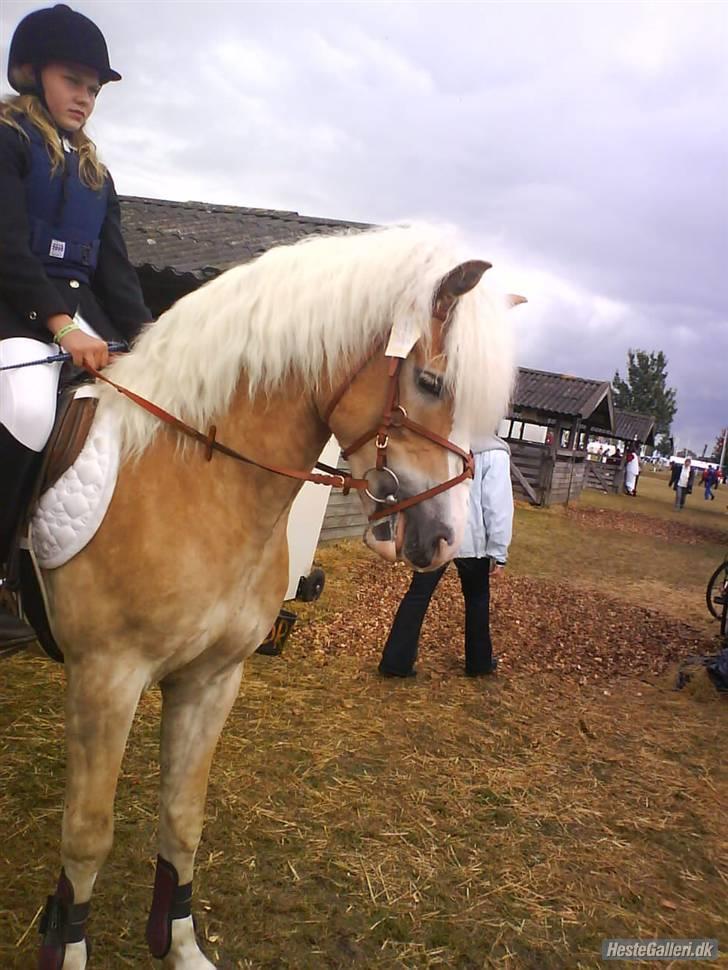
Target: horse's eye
column 430, row 383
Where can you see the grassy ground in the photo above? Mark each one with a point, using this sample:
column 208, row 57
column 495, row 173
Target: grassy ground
column 644, row 551
column 438, row 822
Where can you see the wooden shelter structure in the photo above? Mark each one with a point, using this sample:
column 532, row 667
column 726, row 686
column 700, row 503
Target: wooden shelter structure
column 630, row 428
column 549, row 424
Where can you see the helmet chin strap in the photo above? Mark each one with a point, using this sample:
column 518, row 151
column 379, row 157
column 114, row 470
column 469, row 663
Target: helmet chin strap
column 37, row 71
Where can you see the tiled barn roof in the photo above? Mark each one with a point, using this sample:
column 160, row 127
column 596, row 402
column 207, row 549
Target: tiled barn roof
column 563, row 395
column 630, row 426
column 202, row 239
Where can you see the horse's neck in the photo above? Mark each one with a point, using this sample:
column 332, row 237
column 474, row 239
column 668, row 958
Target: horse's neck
column 281, row 428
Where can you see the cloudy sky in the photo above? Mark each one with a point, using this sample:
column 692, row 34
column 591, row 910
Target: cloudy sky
column 582, row 146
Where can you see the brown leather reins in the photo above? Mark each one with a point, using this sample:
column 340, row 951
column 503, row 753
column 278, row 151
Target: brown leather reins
column 393, row 417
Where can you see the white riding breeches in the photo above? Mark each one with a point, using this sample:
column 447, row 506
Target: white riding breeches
column 28, row 395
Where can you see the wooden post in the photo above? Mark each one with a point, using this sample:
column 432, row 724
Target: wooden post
column 548, row 464
column 573, row 442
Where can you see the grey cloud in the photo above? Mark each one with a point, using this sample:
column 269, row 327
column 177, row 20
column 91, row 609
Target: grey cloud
column 588, row 142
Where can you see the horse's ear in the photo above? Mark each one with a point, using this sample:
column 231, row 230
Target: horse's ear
column 460, row 280
column 513, row 299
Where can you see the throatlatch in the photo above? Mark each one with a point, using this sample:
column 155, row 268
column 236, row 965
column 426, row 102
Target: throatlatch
column 170, row 901
column 62, row 922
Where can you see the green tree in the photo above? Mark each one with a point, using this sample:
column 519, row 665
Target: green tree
column 664, row 446
column 718, row 446
column 645, row 389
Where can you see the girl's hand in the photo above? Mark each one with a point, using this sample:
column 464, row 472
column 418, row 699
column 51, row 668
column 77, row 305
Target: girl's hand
column 86, row 350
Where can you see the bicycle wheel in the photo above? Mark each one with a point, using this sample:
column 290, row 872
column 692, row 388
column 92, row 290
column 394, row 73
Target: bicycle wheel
column 717, row 587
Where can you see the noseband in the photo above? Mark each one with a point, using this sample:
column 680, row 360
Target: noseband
column 394, row 418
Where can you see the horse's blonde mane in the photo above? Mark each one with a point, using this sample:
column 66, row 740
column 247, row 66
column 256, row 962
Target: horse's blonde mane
column 310, row 309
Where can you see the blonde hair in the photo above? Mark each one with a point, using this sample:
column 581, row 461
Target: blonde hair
column 91, row 170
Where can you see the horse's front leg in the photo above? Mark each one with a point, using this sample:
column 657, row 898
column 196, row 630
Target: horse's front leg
column 193, row 715
column 101, row 699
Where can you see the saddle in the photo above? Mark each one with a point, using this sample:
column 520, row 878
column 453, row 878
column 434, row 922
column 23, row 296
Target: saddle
column 74, row 418
column 73, row 422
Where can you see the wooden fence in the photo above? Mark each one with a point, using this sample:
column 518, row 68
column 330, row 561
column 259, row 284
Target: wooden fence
column 603, row 476
column 528, row 471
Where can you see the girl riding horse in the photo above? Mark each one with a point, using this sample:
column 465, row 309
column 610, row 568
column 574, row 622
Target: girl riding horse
column 65, row 278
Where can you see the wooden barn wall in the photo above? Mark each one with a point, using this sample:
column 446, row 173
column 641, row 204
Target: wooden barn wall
column 344, row 518
column 567, row 479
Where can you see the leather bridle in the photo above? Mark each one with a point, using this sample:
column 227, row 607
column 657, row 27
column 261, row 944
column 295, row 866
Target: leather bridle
column 394, row 417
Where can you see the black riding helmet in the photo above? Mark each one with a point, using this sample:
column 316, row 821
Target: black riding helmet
column 57, row 34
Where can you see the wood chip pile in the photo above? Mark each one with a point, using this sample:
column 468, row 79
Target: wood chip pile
column 536, row 626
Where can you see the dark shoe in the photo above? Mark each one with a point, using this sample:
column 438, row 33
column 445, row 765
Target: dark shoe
column 395, row 673
column 484, row 673
column 14, row 633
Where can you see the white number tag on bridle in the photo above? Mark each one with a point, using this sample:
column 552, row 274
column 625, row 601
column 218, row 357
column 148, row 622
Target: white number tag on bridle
column 403, row 337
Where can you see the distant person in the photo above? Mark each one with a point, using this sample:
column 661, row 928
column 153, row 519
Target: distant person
column 710, row 481
column 684, row 484
column 631, row 472
column 482, row 555
column 675, row 469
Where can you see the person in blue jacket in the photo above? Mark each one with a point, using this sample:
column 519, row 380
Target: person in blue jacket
column 66, row 283
column 482, row 555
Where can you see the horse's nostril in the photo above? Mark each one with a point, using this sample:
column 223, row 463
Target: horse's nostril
column 447, row 536
column 419, row 558
column 423, row 552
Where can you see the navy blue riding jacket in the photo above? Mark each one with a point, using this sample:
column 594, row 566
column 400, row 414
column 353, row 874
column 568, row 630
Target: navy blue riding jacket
column 66, row 217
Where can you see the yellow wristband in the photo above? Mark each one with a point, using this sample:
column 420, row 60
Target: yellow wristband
column 64, row 331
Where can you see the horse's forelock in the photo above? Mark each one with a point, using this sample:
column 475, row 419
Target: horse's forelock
column 480, row 360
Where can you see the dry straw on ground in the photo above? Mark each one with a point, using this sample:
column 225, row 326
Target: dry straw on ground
column 436, row 822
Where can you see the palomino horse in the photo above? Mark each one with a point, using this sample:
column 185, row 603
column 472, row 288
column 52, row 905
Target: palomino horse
column 188, row 570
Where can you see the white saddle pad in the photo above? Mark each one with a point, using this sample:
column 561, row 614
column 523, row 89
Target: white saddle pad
column 69, row 513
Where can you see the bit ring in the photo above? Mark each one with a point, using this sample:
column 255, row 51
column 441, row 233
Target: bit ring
column 389, row 499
